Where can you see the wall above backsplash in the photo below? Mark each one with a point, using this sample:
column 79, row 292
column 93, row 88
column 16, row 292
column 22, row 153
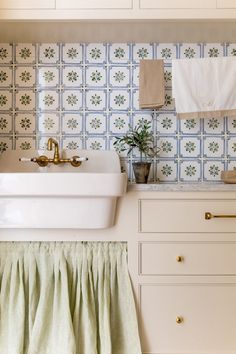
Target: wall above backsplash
column 86, row 94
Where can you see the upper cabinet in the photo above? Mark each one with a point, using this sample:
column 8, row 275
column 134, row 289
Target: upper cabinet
column 117, row 9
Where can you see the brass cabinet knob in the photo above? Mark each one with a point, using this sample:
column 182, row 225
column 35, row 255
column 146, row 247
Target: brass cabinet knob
column 179, row 259
column 179, row 319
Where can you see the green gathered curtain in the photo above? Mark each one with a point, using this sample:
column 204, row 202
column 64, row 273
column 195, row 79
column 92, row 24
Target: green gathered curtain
column 66, row 298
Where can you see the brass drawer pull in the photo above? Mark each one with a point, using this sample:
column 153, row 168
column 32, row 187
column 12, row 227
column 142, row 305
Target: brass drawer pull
column 179, row 259
column 179, row 319
column 209, row 216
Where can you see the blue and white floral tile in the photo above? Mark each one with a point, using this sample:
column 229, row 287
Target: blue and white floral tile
column 48, row 123
column 96, row 53
column 48, row 77
column 168, row 77
column 119, row 100
column 96, row 143
column 212, row 170
column 190, row 50
column 190, row 147
column 72, row 53
column 213, row 147
column 95, row 100
column 5, row 100
column 166, row 123
column 48, row 100
column 72, row 143
column 6, row 53
column 143, row 117
column 135, row 100
column 169, row 101
column 166, row 171
column 72, row 123
column 167, row 52
column 213, row 126
column 135, row 76
column 25, row 76
column 6, row 143
column 190, row 126
column 25, row 100
column 142, row 51
column 119, row 53
column 119, row 123
column 25, row 123
column 49, row 53
column 111, row 146
column 231, row 165
column 213, row 50
column 72, row 76
column 168, row 146
column 190, row 170
column 96, row 76
column 72, row 100
column 25, row 53
column 42, row 141
column 231, row 49
column 231, row 125
column 231, row 147
column 25, row 143
column 96, row 123
column 6, row 123
column 119, row 76
column 6, row 80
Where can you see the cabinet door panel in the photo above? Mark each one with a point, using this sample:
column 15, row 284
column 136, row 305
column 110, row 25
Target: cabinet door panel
column 27, row 4
column 177, row 4
column 94, row 4
column 226, row 4
column 206, row 314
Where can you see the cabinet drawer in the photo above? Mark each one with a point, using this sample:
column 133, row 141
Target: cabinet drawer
column 178, row 258
column 177, row 4
column 181, row 215
column 27, row 4
column 226, row 4
column 208, row 327
column 94, row 4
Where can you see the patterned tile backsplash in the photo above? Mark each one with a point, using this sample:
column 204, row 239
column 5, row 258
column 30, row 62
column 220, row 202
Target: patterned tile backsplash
column 86, row 94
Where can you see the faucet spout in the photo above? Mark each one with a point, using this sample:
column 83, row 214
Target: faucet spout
column 52, row 142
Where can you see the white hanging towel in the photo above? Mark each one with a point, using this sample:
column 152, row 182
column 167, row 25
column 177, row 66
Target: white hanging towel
column 204, row 88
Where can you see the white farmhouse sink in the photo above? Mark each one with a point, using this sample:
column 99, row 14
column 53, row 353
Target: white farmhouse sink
column 60, row 196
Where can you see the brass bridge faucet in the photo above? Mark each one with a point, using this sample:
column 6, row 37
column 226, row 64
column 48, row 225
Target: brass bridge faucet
column 43, row 160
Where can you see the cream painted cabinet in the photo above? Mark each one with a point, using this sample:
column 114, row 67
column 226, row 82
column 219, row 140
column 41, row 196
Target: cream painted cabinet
column 226, row 4
column 27, row 4
column 186, row 285
column 94, row 4
column 177, row 4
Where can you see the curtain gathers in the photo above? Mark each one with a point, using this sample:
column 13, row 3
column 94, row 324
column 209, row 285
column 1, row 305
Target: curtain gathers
column 66, row 298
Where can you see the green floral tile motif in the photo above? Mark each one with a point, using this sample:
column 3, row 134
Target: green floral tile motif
column 166, row 146
column 95, row 145
column 119, row 100
column 72, row 123
column 190, row 171
column 119, row 53
column 3, row 123
column 95, row 100
column 96, row 76
column 25, row 123
column 166, row 170
column 119, row 76
column 142, row 53
column 119, row 123
column 233, row 52
column 3, row 76
column 214, row 170
column 95, row 53
column 72, row 53
column 49, row 52
column 25, row 76
column 213, row 146
column 190, row 124
column 166, row 53
column 234, row 147
column 234, row 123
column 3, row 147
column 25, row 145
column 48, row 100
column 48, row 76
column 72, row 145
column 190, row 146
column 167, row 76
column 3, row 100
column 168, row 100
column 213, row 123
column 189, row 53
column 25, row 99
column 48, row 123
column 72, row 100
column 3, row 53
column 167, row 123
column 95, row 123
column 72, row 76
column 213, row 52
column 25, row 53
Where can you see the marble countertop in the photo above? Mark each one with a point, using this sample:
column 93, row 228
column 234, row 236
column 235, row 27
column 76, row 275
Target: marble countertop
column 182, row 187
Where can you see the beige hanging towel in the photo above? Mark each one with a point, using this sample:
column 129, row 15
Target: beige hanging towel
column 151, row 84
column 204, row 88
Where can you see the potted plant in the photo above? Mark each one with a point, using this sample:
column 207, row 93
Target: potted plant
column 140, row 137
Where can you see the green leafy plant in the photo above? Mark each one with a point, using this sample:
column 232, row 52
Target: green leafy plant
column 140, row 137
